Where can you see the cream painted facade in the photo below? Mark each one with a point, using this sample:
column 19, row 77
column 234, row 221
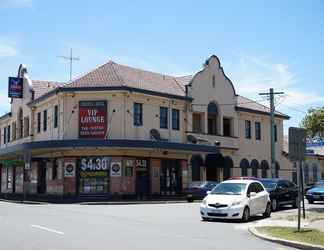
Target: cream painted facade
column 210, row 85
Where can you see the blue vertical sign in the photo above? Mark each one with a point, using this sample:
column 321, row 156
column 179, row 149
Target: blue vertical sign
column 15, row 87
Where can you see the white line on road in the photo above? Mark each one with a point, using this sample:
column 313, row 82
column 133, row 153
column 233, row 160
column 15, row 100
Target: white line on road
column 47, row 229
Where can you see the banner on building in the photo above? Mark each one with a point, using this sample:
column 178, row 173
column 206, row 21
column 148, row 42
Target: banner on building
column 92, row 119
column 69, row 168
column 15, row 87
column 115, row 169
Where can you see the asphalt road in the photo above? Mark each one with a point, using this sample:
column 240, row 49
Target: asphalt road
column 119, row 227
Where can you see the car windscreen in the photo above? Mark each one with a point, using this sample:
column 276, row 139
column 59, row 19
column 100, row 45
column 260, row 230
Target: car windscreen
column 269, row 184
column 229, row 188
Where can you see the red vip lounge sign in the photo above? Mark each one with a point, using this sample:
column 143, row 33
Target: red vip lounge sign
column 92, row 119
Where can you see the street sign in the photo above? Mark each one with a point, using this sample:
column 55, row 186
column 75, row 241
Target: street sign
column 297, row 143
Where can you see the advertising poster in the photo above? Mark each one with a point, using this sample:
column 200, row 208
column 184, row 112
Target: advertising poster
column 92, row 119
column 15, row 87
column 115, row 169
column 69, row 169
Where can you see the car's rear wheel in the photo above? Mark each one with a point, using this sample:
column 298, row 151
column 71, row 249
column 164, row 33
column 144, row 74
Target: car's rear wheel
column 274, row 205
column 246, row 214
column 267, row 212
column 190, row 199
column 310, row 201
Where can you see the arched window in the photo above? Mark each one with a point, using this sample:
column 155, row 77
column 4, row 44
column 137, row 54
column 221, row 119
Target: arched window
column 244, row 165
column 315, row 176
column 254, row 166
column 264, row 168
column 227, row 168
column 212, row 111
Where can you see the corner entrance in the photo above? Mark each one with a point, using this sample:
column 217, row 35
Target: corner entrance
column 41, row 177
column 142, row 178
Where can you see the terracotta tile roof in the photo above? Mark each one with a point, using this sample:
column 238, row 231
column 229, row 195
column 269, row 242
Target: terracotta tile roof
column 112, row 74
column 42, row 87
column 248, row 104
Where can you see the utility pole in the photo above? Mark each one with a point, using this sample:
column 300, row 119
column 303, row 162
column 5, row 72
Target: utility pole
column 71, row 59
column 272, row 94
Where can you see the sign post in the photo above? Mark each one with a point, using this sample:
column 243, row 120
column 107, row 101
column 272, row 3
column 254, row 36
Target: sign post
column 297, row 150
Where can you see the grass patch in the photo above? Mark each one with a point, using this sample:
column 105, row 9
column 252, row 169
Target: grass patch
column 310, row 236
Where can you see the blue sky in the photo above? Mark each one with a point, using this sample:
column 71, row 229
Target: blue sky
column 261, row 44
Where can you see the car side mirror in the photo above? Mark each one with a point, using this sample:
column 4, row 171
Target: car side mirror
column 252, row 194
column 208, row 192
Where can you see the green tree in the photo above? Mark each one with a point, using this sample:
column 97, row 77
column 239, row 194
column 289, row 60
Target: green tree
column 313, row 122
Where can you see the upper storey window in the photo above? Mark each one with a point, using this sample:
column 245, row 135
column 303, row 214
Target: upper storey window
column 248, row 129
column 164, row 113
column 197, row 122
column 213, row 81
column 212, row 118
column 138, row 114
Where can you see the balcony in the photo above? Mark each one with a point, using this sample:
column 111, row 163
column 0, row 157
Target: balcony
column 229, row 142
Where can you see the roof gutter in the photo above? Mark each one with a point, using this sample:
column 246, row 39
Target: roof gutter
column 114, row 88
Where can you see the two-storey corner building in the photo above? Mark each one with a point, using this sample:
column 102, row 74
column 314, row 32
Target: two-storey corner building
column 119, row 130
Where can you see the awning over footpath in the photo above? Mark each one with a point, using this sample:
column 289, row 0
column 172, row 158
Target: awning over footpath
column 89, row 143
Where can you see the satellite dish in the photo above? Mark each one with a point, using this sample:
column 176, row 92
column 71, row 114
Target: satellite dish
column 155, row 134
column 192, row 139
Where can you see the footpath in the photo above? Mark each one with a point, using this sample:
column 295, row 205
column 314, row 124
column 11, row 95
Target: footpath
column 282, row 226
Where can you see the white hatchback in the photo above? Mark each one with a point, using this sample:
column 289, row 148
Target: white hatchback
column 236, row 199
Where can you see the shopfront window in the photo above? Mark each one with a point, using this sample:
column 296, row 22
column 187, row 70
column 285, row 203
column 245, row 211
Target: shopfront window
column 94, row 175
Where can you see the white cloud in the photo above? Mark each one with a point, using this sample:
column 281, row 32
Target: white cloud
column 7, row 49
column 252, row 75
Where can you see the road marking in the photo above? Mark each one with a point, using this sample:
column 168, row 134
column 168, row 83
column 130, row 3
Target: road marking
column 47, row 229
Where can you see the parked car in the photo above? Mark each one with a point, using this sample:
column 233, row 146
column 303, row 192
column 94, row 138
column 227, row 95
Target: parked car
column 282, row 192
column 198, row 190
column 236, row 199
column 316, row 193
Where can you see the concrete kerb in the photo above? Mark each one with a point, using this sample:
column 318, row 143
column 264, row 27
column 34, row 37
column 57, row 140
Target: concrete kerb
column 98, row 202
column 131, row 202
column 24, row 202
column 253, row 230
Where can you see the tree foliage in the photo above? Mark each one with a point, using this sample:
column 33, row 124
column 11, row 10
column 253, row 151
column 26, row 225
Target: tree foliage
column 313, row 122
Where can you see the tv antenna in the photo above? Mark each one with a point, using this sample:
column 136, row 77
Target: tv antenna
column 71, row 59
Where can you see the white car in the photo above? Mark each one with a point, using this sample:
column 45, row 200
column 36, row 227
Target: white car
column 236, row 199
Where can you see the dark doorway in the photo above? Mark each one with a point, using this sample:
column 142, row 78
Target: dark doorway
column 170, row 180
column 227, row 168
column 142, row 184
column 214, row 162
column 264, row 169
column 244, row 165
column 41, row 177
column 196, row 163
column 255, row 167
